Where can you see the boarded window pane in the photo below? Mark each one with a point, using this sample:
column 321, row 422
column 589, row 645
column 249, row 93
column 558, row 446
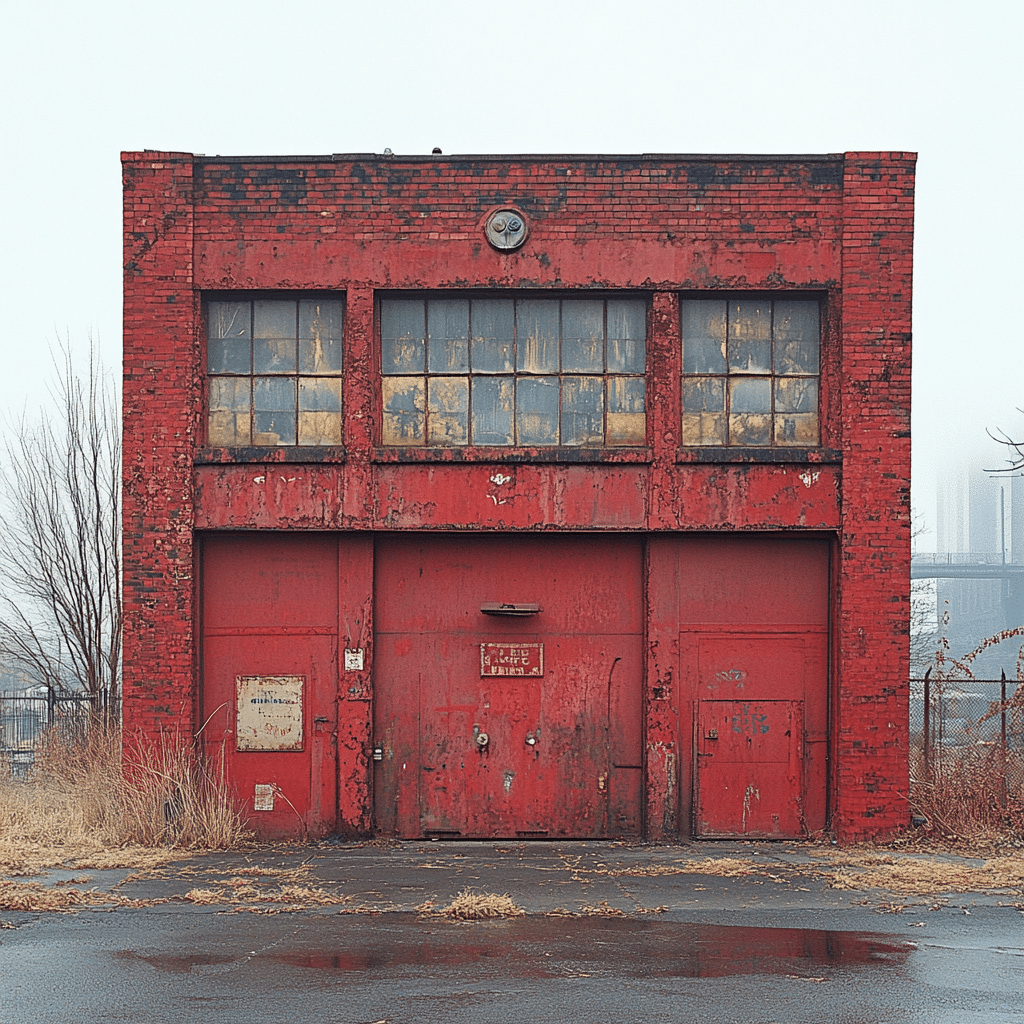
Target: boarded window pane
column 320, row 336
column 448, row 410
column 229, row 420
column 448, row 335
column 403, row 421
column 493, row 400
column 492, row 322
column 797, row 336
column 582, row 336
column 582, row 410
column 703, row 329
column 402, row 332
column 273, row 319
column 750, row 336
column 273, row 402
column 537, row 335
column 627, row 419
column 627, row 336
column 537, row 410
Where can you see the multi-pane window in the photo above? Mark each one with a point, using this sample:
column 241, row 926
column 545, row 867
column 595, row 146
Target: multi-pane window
column 750, row 371
column 504, row 371
column 274, row 372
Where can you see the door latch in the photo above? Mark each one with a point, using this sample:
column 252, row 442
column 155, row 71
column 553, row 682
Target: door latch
column 711, row 734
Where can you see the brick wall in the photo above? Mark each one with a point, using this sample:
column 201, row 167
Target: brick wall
column 839, row 226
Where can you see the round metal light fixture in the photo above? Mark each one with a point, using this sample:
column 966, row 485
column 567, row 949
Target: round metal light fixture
column 506, row 230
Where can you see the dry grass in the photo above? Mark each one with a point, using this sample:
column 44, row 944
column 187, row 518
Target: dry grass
column 475, row 906
column 81, row 806
column 917, row 876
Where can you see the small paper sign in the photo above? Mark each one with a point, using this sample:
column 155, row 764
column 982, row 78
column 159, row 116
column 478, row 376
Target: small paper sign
column 511, row 660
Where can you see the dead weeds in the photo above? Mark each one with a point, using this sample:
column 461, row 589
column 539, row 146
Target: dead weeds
column 474, row 906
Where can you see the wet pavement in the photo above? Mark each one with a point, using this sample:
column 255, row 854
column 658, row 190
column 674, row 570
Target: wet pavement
column 610, row 933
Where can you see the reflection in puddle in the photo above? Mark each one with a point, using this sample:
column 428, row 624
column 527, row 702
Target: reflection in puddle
column 180, row 963
column 553, row 947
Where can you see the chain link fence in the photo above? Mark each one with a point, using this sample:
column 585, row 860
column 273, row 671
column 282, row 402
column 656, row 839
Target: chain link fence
column 980, row 722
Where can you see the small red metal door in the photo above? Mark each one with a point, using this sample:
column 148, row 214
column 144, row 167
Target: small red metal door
column 749, row 776
column 466, row 750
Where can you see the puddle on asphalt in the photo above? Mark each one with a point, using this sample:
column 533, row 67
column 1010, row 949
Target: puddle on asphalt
column 553, row 947
column 175, row 963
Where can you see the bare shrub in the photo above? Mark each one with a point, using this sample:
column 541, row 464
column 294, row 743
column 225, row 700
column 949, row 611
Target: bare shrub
column 477, row 906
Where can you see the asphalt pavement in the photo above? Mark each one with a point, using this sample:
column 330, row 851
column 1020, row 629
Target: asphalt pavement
column 355, row 933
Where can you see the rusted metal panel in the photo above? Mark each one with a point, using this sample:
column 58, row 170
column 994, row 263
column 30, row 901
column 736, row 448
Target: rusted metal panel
column 467, row 753
column 749, row 778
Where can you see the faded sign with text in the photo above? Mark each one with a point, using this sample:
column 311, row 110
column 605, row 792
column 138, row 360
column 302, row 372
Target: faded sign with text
column 269, row 712
column 511, row 660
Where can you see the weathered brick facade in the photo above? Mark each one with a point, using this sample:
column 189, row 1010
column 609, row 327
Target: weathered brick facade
column 837, row 227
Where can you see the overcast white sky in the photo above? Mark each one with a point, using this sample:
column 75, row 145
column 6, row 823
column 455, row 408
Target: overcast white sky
column 81, row 82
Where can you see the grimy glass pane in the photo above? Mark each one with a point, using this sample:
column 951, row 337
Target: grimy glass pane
column 627, row 418
column 447, row 410
column 750, row 395
column 704, row 394
column 403, row 411
column 704, row 428
column 402, row 333
column 491, row 324
column 228, row 340
column 319, row 429
column 797, row 336
column 273, row 318
column 582, row 335
column 703, row 330
column 796, row 394
column 582, row 410
column 750, row 335
column 537, row 335
column 274, row 355
column 751, row 428
column 320, row 394
column 273, row 401
column 493, row 400
column 228, row 319
column 627, row 335
column 320, row 335
column 797, row 428
column 448, row 335
column 537, row 410
column 230, row 406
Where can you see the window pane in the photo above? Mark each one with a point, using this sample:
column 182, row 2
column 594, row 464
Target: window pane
column 273, row 411
column 797, row 336
column 582, row 410
column 627, row 420
column 320, row 336
column 537, row 410
column 319, row 429
column 448, row 335
column 582, row 335
column 403, row 412
column 492, row 336
column 228, row 339
column 274, row 355
column 750, row 336
column 750, row 403
column 228, row 423
column 704, row 420
column 493, row 399
column 627, row 335
column 320, row 394
column 796, row 411
column 537, row 335
column 402, row 336
column 448, row 407
column 703, row 329
column 273, row 319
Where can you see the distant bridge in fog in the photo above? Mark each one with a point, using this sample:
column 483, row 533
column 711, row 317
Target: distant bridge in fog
column 970, row 565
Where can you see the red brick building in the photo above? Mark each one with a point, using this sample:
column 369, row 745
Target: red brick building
column 524, row 496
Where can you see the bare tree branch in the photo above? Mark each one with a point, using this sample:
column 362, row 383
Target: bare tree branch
column 60, row 537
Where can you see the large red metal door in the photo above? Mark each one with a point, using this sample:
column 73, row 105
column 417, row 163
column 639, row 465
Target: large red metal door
column 748, row 768
column 522, row 720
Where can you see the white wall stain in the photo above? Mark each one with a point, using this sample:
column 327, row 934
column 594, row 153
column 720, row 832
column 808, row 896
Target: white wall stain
column 810, row 478
column 259, row 479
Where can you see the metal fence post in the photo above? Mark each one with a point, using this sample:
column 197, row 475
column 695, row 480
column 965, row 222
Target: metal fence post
column 927, row 721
